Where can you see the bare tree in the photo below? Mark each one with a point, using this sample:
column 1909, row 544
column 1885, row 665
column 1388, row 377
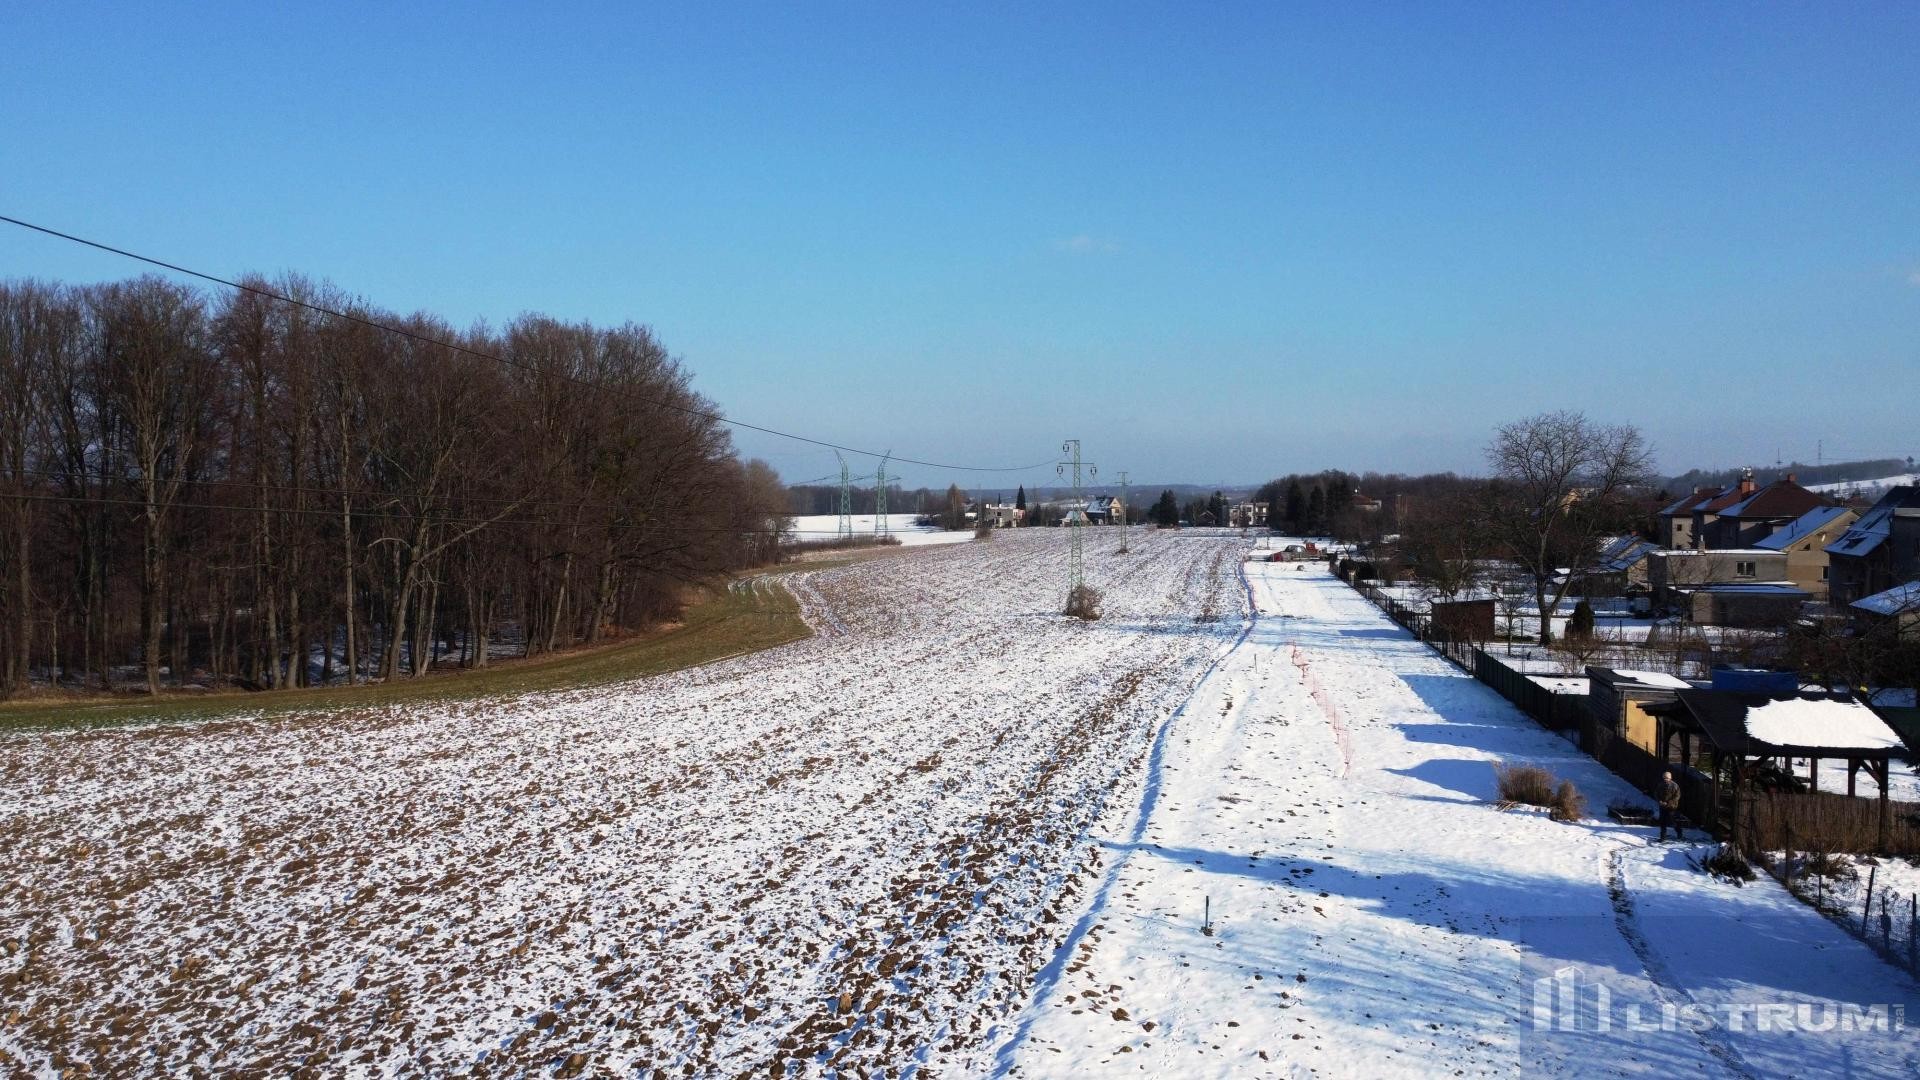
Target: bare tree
column 160, row 373
column 1561, row 485
column 1442, row 542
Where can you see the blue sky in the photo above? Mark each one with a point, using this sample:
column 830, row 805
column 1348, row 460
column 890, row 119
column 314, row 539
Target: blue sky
column 1215, row 244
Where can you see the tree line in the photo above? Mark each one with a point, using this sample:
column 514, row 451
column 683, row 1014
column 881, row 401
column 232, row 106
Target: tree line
column 240, row 489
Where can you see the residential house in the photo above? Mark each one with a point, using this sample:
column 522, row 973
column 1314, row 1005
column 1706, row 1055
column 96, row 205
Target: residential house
column 1880, row 550
column 1676, row 520
column 1248, row 515
column 1668, row 571
column 1805, row 540
column 1730, row 587
column 1620, row 569
column 1105, row 510
column 1001, row 515
column 1898, row 607
column 1758, row 514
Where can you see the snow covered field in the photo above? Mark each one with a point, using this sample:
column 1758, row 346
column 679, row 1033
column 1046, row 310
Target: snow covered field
column 953, row 834
column 1326, row 795
column 900, row 526
column 848, row 851
column 1871, row 489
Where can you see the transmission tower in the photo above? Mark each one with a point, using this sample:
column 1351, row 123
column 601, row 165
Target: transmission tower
column 880, row 498
column 1125, row 522
column 1077, row 514
column 845, row 530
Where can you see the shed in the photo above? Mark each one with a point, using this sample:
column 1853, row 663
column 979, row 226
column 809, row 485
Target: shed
column 1759, row 605
column 1463, row 620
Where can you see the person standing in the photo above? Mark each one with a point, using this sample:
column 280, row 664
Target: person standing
column 1669, row 802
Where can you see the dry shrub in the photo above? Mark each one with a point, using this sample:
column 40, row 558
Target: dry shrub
column 1727, row 862
column 983, row 532
column 1823, row 865
column 1568, row 803
column 1083, row 602
column 1523, row 785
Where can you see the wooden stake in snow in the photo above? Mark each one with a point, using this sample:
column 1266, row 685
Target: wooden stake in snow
column 1206, row 925
column 1867, row 911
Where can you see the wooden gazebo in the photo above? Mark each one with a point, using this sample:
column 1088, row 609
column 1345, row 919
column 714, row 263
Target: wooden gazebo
column 1746, row 732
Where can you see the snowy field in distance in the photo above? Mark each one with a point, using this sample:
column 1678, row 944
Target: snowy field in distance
column 1871, row 489
column 901, row 526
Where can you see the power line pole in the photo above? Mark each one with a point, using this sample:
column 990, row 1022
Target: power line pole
column 845, row 531
column 880, row 527
column 1125, row 522
column 1077, row 515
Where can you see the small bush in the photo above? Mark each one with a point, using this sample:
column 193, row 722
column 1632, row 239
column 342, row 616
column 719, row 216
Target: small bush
column 983, row 532
column 1568, row 803
column 1083, row 602
column 1523, row 785
column 1727, row 862
column 1580, row 625
column 1823, row 865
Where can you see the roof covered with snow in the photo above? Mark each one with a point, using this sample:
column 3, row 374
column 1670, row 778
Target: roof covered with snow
column 1805, row 525
column 1876, row 524
column 1900, row 598
column 1654, row 678
column 1763, row 723
column 1752, row 588
column 1622, row 553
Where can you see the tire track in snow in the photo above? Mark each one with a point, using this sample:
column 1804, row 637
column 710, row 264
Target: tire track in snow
column 1665, row 987
column 1048, row 977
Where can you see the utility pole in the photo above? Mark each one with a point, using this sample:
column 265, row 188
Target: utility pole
column 1077, row 515
column 1125, row 522
column 880, row 527
column 845, row 531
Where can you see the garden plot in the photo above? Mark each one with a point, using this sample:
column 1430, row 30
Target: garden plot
column 848, row 852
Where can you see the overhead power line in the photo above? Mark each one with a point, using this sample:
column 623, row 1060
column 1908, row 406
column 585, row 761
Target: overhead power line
column 433, row 514
column 492, row 358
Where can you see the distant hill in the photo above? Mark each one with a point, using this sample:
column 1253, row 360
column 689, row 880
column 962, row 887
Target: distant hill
column 1840, row 475
column 1867, row 489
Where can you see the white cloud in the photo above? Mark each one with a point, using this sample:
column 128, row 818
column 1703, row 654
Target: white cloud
column 1084, row 244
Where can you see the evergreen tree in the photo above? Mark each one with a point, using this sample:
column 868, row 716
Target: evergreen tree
column 1296, row 513
column 1020, row 498
column 1581, row 624
column 1316, row 511
column 1166, row 511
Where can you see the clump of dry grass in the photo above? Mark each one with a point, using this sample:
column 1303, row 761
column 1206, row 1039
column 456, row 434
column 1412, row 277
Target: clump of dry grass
column 1531, row 785
column 1083, row 602
column 1727, row 863
column 1568, row 803
column 1522, row 785
column 1823, row 865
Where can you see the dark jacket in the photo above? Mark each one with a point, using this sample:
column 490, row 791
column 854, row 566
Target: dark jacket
column 1670, row 796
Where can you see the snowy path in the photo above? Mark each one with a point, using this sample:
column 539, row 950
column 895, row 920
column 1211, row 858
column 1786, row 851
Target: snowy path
column 1327, row 792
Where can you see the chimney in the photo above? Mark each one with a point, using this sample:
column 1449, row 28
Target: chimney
column 1746, row 481
column 1792, row 479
